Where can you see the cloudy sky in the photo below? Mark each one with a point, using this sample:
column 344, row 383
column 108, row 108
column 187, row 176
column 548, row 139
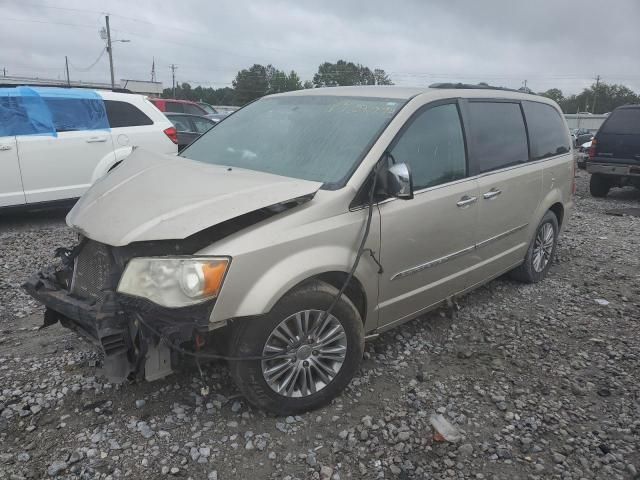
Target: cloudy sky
column 550, row 43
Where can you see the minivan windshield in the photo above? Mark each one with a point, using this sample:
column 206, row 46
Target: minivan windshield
column 312, row 137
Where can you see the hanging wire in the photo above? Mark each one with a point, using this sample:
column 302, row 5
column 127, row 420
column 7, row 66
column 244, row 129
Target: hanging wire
column 90, row 66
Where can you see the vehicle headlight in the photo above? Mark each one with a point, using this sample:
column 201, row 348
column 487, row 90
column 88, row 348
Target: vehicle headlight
column 174, row 281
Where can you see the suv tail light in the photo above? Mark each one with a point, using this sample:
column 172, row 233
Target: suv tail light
column 172, row 133
column 592, row 149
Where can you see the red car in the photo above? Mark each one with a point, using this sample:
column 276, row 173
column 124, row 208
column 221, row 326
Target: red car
column 178, row 106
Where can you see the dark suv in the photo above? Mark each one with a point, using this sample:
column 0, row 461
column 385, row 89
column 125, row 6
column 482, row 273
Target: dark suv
column 614, row 156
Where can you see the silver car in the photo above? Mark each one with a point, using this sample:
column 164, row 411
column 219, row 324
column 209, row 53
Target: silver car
column 306, row 222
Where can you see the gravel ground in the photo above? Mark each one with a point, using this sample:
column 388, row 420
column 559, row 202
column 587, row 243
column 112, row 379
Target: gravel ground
column 540, row 381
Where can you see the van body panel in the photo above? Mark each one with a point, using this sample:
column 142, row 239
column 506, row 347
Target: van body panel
column 507, row 201
column 426, row 243
column 11, row 189
column 275, row 255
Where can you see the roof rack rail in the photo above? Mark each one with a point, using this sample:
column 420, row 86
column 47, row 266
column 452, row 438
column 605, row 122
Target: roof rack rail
column 472, row 87
column 10, row 84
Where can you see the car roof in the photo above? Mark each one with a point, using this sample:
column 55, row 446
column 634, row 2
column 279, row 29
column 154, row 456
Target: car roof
column 406, row 93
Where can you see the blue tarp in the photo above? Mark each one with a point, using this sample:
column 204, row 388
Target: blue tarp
column 47, row 111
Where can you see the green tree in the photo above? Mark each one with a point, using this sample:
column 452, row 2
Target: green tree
column 259, row 80
column 554, row 94
column 348, row 73
column 599, row 99
column 250, row 84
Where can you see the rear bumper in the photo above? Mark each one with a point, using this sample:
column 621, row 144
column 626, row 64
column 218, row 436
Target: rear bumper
column 617, row 169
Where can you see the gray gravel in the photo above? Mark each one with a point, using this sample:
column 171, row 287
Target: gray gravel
column 538, row 381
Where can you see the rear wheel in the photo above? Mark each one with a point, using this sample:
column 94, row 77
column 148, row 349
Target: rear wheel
column 599, row 185
column 314, row 356
column 540, row 253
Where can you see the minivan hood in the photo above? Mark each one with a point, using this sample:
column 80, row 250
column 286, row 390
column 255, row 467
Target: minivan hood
column 160, row 197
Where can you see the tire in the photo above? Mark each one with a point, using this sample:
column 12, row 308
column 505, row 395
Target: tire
column 599, row 185
column 529, row 271
column 251, row 337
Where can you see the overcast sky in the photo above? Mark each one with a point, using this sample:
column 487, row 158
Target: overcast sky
column 550, row 43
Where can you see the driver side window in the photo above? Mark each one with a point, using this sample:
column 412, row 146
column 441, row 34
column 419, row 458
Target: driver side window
column 433, row 147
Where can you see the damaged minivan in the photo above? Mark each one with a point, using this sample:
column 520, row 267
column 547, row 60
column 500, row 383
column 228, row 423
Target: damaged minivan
column 305, row 223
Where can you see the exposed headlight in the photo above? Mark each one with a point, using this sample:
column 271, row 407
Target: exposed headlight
column 174, row 281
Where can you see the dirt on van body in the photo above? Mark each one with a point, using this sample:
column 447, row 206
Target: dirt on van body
column 540, row 381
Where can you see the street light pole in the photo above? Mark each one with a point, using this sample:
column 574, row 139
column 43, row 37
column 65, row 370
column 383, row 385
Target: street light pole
column 113, row 83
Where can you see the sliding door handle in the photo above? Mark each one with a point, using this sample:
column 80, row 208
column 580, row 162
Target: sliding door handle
column 493, row 193
column 466, row 201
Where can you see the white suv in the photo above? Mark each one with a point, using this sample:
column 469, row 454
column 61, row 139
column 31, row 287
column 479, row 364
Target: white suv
column 56, row 142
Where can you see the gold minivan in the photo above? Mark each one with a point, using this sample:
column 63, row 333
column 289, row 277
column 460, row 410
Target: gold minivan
column 306, row 222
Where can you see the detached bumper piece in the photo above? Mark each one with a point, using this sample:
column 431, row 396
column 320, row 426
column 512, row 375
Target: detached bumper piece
column 80, row 293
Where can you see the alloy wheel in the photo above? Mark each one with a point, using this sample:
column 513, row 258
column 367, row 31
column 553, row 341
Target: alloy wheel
column 308, row 349
column 543, row 247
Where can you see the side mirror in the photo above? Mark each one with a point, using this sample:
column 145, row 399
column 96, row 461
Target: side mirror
column 399, row 181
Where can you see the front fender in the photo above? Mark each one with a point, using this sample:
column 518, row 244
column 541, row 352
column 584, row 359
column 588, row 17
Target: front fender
column 237, row 299
column 109, row 161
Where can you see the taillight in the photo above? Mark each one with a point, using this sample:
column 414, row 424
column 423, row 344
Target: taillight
column 172, row 133
column 592, row 149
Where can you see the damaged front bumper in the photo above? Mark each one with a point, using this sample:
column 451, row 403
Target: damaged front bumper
column 128, row 331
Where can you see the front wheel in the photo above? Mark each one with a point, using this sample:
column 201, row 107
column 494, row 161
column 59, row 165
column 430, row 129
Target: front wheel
column 308, row 357
column 541, row 251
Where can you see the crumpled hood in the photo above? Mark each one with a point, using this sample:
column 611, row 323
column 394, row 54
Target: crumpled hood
column 160, row 197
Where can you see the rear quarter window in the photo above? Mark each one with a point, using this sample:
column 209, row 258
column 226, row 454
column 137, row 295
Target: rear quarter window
column 123, row 114
column 625, row 121
column 174, row 107
column 498, row 136
column 547, row 132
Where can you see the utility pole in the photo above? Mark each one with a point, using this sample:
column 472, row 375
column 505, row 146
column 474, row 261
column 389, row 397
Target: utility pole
column 66, row 67
column 113, row 83
column 173, row 78
column 595, row 94
column 4, row 72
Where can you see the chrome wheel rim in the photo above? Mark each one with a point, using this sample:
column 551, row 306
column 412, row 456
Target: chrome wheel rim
column 308, row 349
column 543, row 247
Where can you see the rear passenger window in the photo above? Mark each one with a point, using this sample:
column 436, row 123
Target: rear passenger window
column 123, row 114
column 547, row 131
column 498, row 136
column 174, row 107
column 433, row 147
column 73, row 114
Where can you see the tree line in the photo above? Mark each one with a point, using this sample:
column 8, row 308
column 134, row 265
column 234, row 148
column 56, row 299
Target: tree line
column 598, row 98
column 259, row 80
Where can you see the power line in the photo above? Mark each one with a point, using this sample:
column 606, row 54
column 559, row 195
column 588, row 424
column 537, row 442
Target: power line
column 92, row 65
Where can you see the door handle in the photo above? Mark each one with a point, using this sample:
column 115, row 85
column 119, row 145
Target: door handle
column 466, row 201
column 493, row 193
column 96, row 139
column 5, row 147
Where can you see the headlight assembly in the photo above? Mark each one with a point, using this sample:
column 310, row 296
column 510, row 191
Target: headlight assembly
column 174, row 281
